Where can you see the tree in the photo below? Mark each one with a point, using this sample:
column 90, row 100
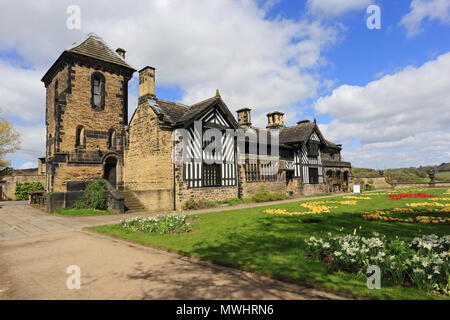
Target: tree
column 9, row 141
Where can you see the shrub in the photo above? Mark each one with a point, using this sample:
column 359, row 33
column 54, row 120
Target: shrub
column 23, row 188
column 94, row 196
column 161, row 224
column 263, row 196
column 369, row 187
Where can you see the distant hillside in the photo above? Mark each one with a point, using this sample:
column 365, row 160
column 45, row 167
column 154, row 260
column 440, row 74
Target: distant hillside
column 405, row 175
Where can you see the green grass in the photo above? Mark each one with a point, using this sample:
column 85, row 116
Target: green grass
column 443, row 176
column 274, row 244
column 81, row 212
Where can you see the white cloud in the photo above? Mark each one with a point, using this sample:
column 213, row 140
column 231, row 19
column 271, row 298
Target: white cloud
column 33, row 142
column 28, row 165
column 425, row 9
column 197, row 46
column 404, row 115
column 331, row 8
column 22, row 94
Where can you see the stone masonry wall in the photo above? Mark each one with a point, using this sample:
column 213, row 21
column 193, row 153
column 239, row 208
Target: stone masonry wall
column 148, row 158
column 8, row 187
column 74, row 109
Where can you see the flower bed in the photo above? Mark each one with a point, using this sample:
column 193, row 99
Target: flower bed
column 315, row 207
column 424, row 262
column 414, row 216
column 400, row 196
column 161, row 224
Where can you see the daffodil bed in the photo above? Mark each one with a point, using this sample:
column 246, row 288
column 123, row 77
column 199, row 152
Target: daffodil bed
column 271, row 240
column 423, row 262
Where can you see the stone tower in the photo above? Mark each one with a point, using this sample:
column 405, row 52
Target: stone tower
column 86, row 115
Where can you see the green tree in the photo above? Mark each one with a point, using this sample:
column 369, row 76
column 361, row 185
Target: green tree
column 9, row 141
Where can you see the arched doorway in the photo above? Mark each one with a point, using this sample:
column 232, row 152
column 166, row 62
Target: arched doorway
column 346, row 181
column 110, row 172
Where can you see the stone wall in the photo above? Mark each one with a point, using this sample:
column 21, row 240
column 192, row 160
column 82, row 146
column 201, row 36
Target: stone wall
column 156, row 200
column 148, row 156
column 72, row 172
column 72, row 108
column 8, row 184
column 249, row 188
column 379, row 183
column 309, row 189
column 423, row 185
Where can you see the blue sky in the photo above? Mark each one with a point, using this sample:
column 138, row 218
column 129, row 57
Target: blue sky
column 309, row 59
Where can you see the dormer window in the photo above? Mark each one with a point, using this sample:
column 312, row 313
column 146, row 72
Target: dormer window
column 98, row 91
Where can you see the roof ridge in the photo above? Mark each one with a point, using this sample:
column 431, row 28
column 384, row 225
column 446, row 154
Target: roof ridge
column 96, row 37
column 203, row 101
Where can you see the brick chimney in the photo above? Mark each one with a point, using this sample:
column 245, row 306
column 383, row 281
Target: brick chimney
column 147, row 83
column 244, row 117
column 121, row 52
column 275, row 120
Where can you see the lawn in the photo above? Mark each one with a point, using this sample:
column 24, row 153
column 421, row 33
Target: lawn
column 81, row 212
column 275, row 244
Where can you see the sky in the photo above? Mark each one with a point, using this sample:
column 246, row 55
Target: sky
column 384, row 94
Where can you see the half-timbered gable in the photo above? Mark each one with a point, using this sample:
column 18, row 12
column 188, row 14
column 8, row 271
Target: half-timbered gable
column 210, row 155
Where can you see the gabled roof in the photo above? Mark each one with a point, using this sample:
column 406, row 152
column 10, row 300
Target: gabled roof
column 301, row 133
column 94, row 46
column 197, row 108
column 298, row 133
column 181, row 114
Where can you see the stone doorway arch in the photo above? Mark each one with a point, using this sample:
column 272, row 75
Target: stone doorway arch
column 110, row 170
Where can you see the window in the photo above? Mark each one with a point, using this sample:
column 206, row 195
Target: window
column 98, row 91
column 56, row 90
column 255, row 172
column 313, row 175
column 80, row 139
column 111, row 139
column 313, row 149
column 211, row 175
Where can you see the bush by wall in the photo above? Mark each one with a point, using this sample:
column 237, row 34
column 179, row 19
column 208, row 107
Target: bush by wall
column 23, row 188
column 94, row 196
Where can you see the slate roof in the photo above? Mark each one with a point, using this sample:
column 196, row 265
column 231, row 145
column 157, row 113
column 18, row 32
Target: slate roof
column 301, row 133
column 94, row 46
column 298, row 133
column 176, row 113
column 172, row 111
column 197, row 108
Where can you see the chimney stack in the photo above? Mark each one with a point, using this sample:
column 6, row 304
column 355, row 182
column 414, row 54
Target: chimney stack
column 275, row 120
column 121, row 52
column 244, row 117
column 302, row 121
column 147, row 83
